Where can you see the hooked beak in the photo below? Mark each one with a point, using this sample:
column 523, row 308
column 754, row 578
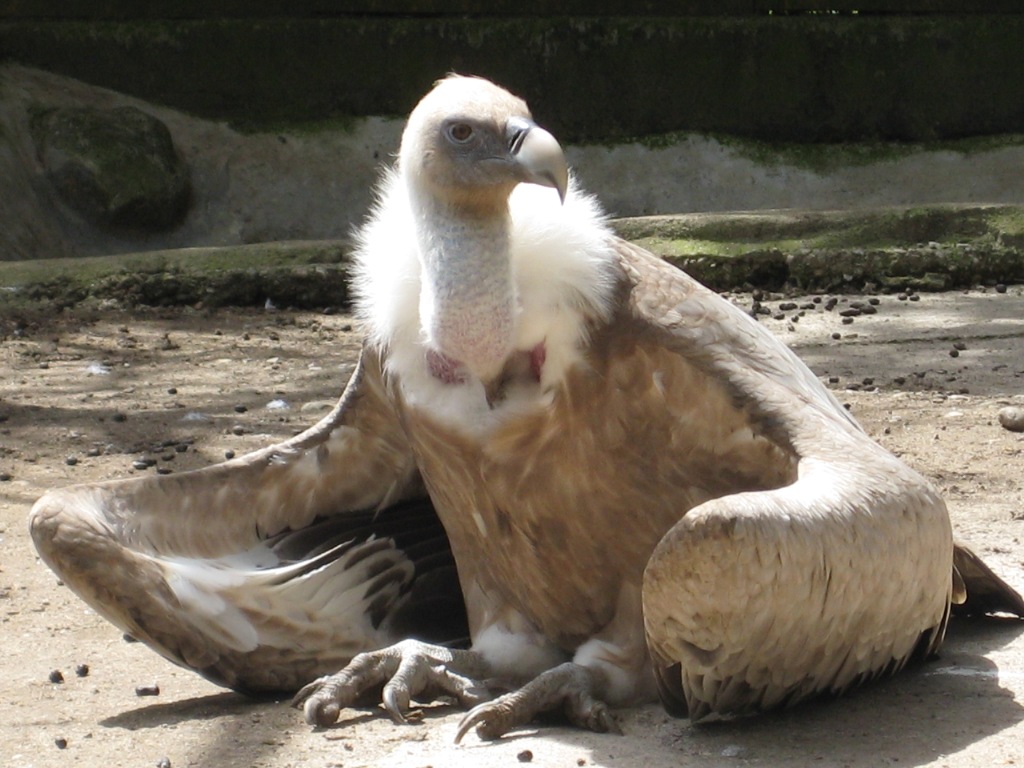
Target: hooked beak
column 538, row 155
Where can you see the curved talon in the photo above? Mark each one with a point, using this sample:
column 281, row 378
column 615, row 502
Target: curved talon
column 471, row 718
column 306, row 691
column 396, row 700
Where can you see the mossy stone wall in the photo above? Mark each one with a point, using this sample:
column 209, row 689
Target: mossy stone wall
column 777, row 77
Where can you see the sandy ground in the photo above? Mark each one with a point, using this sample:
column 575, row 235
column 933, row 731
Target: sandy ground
column 84, row 395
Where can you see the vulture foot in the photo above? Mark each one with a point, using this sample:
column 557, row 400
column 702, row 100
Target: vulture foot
column 404, row 671
column 570, row 685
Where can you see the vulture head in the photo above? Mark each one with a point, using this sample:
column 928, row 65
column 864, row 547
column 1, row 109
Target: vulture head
column 466, row 146
column 468, row 143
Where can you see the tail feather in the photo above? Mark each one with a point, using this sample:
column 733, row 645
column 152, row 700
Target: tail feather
column 987, row 594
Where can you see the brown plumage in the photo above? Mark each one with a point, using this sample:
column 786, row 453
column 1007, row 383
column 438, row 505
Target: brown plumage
column 621, row 482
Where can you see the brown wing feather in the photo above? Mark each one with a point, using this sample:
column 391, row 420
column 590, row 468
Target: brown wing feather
column 758, row 599
column 208, row 568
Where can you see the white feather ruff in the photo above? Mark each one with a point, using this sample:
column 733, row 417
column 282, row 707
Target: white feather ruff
column 562, row 259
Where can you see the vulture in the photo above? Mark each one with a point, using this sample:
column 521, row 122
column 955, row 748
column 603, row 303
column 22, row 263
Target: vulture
column 564, row 475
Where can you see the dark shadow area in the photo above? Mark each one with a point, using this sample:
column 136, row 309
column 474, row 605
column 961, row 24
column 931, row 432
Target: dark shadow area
column 217, row 705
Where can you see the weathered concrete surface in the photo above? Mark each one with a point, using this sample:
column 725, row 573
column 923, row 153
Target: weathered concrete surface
column 315, row 182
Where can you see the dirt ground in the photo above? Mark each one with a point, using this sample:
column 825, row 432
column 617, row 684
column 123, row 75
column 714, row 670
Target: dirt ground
column 86, row 395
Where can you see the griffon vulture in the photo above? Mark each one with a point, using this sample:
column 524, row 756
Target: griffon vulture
column 560, row 463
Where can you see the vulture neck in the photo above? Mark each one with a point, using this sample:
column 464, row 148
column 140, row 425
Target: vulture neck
column 467, row 296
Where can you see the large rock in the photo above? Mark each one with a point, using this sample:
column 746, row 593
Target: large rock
column 117, row 167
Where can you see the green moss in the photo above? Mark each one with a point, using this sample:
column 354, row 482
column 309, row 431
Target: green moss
column 310, row 274
column 118, row 167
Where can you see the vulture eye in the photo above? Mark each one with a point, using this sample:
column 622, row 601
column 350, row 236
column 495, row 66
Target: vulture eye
column 460, row 133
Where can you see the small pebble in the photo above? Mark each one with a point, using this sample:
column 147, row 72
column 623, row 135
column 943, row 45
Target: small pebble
column 163, row 762
column 6, row 477
column 847, row 320
column 1000, row 288
column 61, row 742
column 525, row 756
column 954, row 353
column 181, row 448
column 837, row 335
column 82, row 670
column 56, row 676
column 172, row 390
column 229, row 454
column 240, row 409
column 238, row 429
column 119, row 417
column 915, row 297
column 140, row 464
column 70, row 460
column 1012, row 418
column 959, row 345
column 147, row 690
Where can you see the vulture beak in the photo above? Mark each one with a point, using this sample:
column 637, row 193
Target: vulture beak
column 538, row 155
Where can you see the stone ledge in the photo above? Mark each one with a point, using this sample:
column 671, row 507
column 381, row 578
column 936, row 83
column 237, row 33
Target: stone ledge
column 929, row 248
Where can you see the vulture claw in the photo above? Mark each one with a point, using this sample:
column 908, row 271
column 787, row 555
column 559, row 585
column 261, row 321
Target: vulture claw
column 569, row 685
column 404, row 671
